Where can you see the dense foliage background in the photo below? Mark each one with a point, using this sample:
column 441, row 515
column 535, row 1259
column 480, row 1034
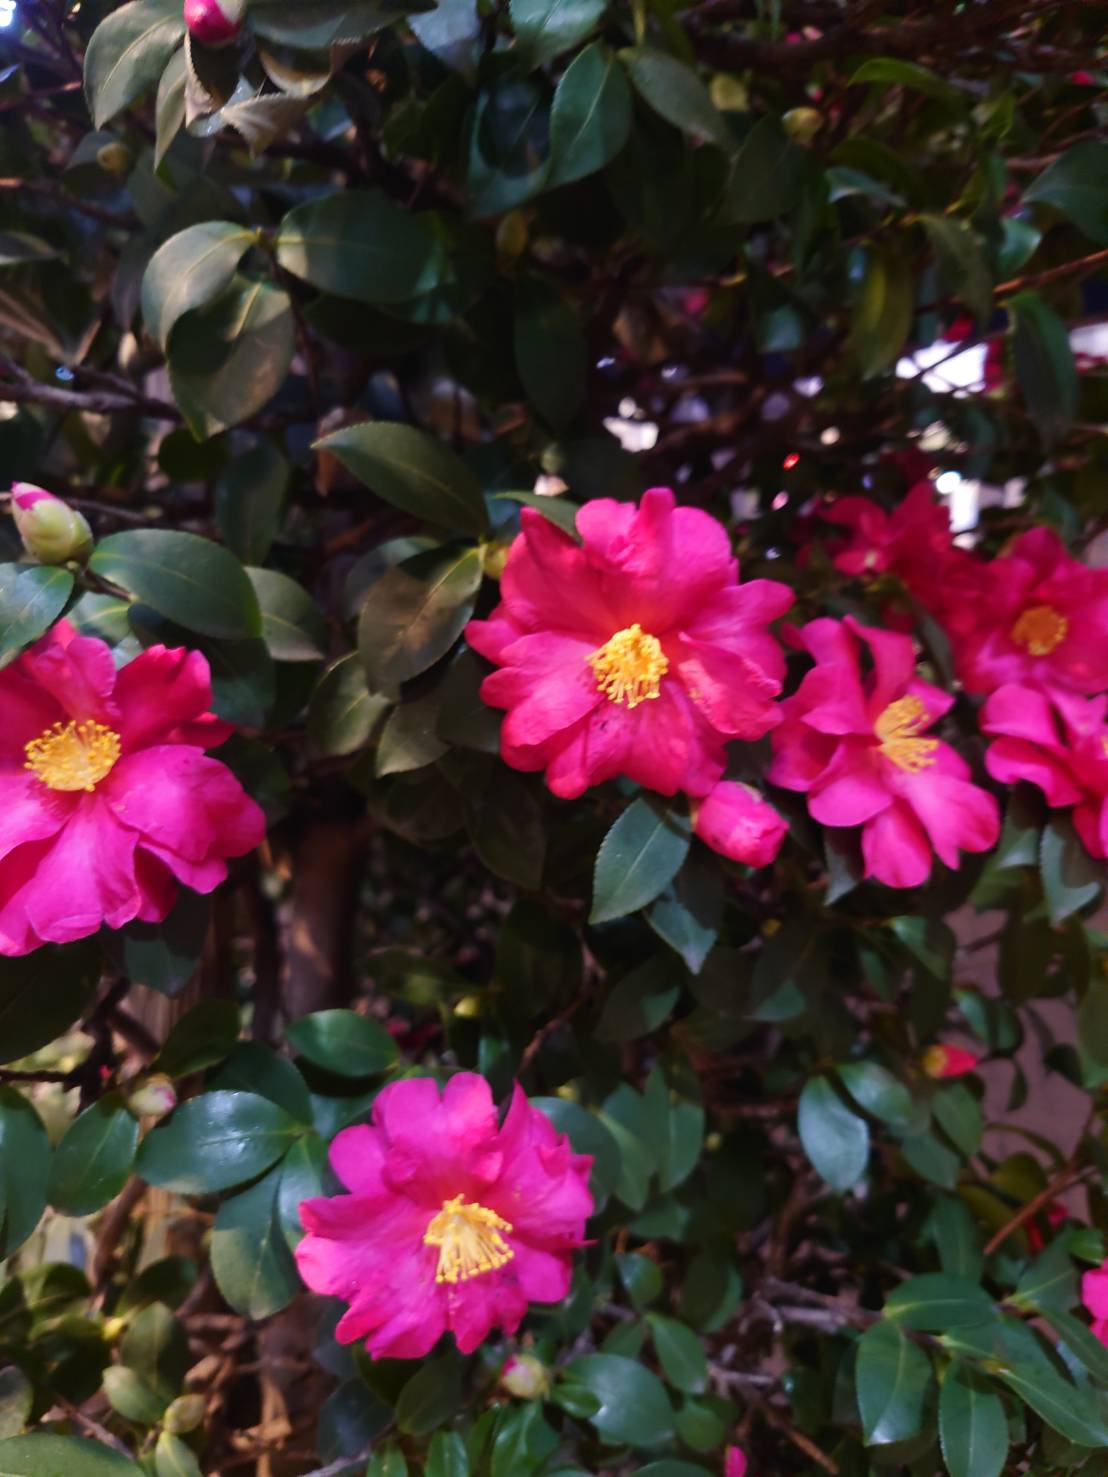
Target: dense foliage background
column 300, row 323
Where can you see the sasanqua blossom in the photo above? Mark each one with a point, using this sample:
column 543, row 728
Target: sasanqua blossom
column 453, row 1222
column 739, row 823
column 107, row 799
column 636, row 652
column 862, row 751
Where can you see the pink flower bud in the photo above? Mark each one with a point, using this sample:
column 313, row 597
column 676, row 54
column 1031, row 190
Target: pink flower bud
column 154, row 1097
column 948, row 1061
column 734, row 1464
column 525, row 1377
column 738, row 822
column 52, row 531
column 214, row 22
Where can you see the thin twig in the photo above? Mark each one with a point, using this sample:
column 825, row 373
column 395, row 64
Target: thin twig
column 1064, row 1180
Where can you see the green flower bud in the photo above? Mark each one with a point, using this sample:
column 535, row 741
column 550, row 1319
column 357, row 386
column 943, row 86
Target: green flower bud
column 802, row 124
column 525, row 1377
column 52, row 531
column 154, row 1097
column 185, row 1414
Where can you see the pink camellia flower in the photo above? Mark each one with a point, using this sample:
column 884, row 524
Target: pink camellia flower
column 859, row 748
column 1094, row 1295
column 736, row 821
column 52, row 531
column 1037, row 616
column 734, row 1463
column 636, row 652
column 214, row 22
column 452, row 1222
column 906, row 541
column 1058, row 741
column 107, row 798
column 945, row 1060
column 1056, row 1215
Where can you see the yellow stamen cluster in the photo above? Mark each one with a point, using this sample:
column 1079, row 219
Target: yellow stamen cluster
column 629, row 668
column 1040, row 629
column 73, row 756
column 898, row 728
column 469, row 1240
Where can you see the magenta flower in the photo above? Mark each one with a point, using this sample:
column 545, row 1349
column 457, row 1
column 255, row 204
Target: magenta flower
column 946, row 1060
column 905, row 541
column 1094, row 1295
column 452, row 1221
column 1035, row 616
column 636, row 652
column 859, row 747
column 736, row 821
column 214, row 22
column 1059, row 742
column 107, row 799
column 734, row 1463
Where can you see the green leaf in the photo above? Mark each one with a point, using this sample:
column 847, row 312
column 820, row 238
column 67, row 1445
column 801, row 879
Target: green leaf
column 680, row 1353
column 676, row 94
column 17, row 247
column 430, row 1397
column 341, row 1041
column 638, row 858
column 936, row 1302
column 128, row 53
column 640, row 1001
column 1077, row 185
column 388, row 1462
column 1071, row 879
column 61, row 1456
column 163, row 956
column 408, row 739
column 891, row 1378
column 957, row 1238
column 251, row 1261
column 130, row 1395
column 882, row 312
column 1044, row 365
column 446, row 1456
column 32, row 597
column 634, row 1408
column 202, row 1037
column 875, row 1088
column 169, row 106
column 504, row 818
column 452, row 33
column 835, row 1139
column 412, row 470
column 215, row 1141
column 588, row 1136
column 42, row 994
column 358, row 245
column 94, row 1159
column 415, row 612
column 184, row 577
column 591, row 116
column 549, row 351
column 17, row 1398
column 252, row 1067
column 688, row 914
column 1072, row 1412
column 958, row 1114
column 189, row 271
column 301, row 1179
column 640, row 1276
column 973, row 1427
column 227, row 360
column 1049, row 1282
column 293, row 627
column 767, row 174
column 156, row 1344
column 343, row 712
column 906, row 74
column 546, row 28
column 24, row 1169
column 250, row 501
column 508, row 146
column 1085, row 1346
column 173, row 1458
column 961, row 261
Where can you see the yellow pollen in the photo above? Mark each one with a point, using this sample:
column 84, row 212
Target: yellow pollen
column 469, row 1240
column 1040, row 629
column 73, row 756
column 898, row 727
column 629, row 668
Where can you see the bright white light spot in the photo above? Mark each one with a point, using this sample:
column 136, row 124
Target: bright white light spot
column 829, row 436
column 948, row 483
column 7, row 14
column 780, row 500
column 632, row 435
column 964, row 371
column 627, row 407
column 809, row 385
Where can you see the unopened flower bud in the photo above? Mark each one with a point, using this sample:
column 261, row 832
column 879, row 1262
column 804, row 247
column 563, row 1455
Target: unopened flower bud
column 114, row 158
column 512, row 236
column 525, row 1377
column 948, row 1061
column 154, row 1097
column 494, row 556
column 214, row 22
column 185, row 1414
column 802, row 124
column 734, row 1463
column 52, row 531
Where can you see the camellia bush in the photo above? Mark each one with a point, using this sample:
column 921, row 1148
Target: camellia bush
column 553, row 754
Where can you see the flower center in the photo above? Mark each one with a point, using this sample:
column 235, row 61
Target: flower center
column 73, row 756
column 898, row 727
column 1040, row 629
column 469, row 1240
column 629, row 668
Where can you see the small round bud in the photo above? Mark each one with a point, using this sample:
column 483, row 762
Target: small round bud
column 512, row 236
column 948, row 1061
column 52, row 531
column 802, row 124
column 154, row 1097
column 525, row 1377
column 114, row 158
column 468, row 1007
column 185, row 1414
column 214, row 22
column 113, row 1328
column 494, row 556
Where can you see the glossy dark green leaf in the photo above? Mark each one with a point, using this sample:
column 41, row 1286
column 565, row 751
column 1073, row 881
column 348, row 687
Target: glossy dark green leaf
column 163, row 956
column 1071, row 879
column 680, row 1353
column 546, row 28
column 31, row 599
column 250, row 501
column 252, row 1067
column 676, row 93
column 202, row 1037
column 588, row 1136
column 549, row 351
column 452, row 33
column 173, row 1458
column 835, row 1139
column 93, row 1161
column 962, row 266
column 301, row 1174
column 215, row 1141
column 958, row 1114
column 446, row 1456
column 293, row 627
column 591, row 116
column 634, row 1408
column 935, row 1302
column 1076, row 184
column 343, row 1042
column 415, row 613
column 251, row 1261
column 24, row 1169
column 130, row 1395
column 882, row 312
column 186, row 578
column 639, row 1002
column 766, row 175
column 898, row 73
column 42, row 994
column 43, row 1455
column 1044, row 364
column 639, row 857
column 359, row 245
column 343, row 712
column 430, row 1397
column 689, row 913
column 412, row 470
column 190, row 270
column 508, row 154
column 1073, row 1413
column 127, row 54
column 874, row 1088
column 891, row 1378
